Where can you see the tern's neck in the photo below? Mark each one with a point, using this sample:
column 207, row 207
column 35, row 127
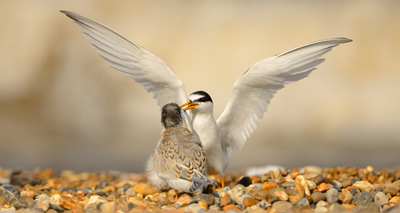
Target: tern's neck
column 202, row 115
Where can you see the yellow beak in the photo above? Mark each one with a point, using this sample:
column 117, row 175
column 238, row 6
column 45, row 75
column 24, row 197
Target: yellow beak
column 190, row 105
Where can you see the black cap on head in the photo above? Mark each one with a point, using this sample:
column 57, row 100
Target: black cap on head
column 171, row 115
column 203, row 97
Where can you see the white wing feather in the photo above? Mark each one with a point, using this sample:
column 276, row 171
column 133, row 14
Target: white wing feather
column 132, row 60
column 253, row 91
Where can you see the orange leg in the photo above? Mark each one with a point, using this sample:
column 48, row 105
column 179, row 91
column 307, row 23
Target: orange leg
column 176, row 196
column 222, row 182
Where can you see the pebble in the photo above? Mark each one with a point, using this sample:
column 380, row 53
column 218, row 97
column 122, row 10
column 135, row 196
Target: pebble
column 249, row 201
column 55, row 199
column 144, row 189
column 323, row 187
column 281, row 206
column 245, row 181
column 318, row 196
column 238, row 191
column 13, row 189
column 259, row 194
column 28, row 193
column 311, row 184
column 364, row 185
column 225, row 198
column 394, row 200
column 322, row 203
column 184, row 200
column 362, row 199
column 390, row 190
column 317, row 178
column 345, row 197
column 332, row 196
column 381, row 199
column 263, row 204
column 296, row 195
column 196, row 208
column 209, row 199
column 330, row 190
column 303, row 203
column 268, row 185
column 43, row 204
column 281, row 195
column 338, row 186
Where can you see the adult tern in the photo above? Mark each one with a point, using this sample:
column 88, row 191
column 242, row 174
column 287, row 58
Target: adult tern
column 246, row 105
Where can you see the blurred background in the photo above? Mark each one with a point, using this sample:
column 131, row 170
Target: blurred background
column 63, row 107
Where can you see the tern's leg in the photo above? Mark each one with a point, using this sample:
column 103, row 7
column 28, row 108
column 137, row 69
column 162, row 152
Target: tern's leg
column 176, row 196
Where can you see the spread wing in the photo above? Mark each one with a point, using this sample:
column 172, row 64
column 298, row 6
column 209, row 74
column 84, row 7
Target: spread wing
column 253, row 91
column 132, row 60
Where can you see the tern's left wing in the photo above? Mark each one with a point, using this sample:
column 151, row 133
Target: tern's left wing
column 254, row 90
column 132, row 60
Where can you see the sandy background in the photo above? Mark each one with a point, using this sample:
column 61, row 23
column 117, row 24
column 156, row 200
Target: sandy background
column 63, row 107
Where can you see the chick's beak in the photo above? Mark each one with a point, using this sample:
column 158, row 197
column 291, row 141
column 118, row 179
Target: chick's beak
column 190, row 105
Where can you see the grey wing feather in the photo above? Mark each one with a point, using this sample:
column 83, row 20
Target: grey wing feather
column 132, row 60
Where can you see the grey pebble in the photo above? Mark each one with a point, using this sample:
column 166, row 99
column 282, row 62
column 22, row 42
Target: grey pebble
column 13, row 189
column 263, row 204
column 362, row 199
column 196, row 208
column 332, row 196
column 338, row 185
column 130, row 192
column 20, row 203
column 318, row 196
column 303, row 202
column 209, row 199
column 226, row 189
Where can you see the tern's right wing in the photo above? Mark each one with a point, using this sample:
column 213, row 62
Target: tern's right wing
column 132, row 60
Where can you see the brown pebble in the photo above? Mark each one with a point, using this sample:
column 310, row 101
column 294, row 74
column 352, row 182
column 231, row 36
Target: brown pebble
column 231, row 207
column 323, row 187
column 184, row 200
column 268, row 185
column 395, row 200
column 345, row 196
column 67, row 202
column 378, row 187
column 203, row 204
column 225, row 198
column 346, row 183
column 28, row 193
column 138, row 201
column 249, row 201
column 297, row 194
column 392, row 191
column 108, row 207
column 109, row 189
column 79, row 208
column 349, row 207
column 144, row 189
column 258, row 194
